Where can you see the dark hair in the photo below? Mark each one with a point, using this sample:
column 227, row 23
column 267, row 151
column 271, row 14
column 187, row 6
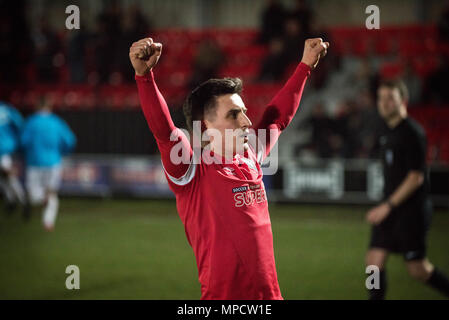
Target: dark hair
column 396, row 84
column 202, row 99
column 43, row 101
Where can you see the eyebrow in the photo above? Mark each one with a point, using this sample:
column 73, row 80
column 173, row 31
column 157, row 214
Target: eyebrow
column 236, row 110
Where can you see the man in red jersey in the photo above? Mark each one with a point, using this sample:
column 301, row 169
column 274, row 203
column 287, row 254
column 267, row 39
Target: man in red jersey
column 220, row 195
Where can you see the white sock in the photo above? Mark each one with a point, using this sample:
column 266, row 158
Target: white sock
column 51, row 211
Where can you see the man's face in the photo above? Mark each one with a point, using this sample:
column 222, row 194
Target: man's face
column 229, row 124
column 389, row 102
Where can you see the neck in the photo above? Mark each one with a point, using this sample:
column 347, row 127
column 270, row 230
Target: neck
column 228, row 155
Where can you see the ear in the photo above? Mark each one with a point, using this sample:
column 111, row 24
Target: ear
column 204, row 125
column 405, row 101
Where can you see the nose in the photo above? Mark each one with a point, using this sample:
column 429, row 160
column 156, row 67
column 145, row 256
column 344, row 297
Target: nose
column 246, row 122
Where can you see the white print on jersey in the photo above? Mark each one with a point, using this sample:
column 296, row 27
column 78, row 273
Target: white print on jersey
column 389, row 157
column 249, row 197
column 229, row 171
column 250, row 163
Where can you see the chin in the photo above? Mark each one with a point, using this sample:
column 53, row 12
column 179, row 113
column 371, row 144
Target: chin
column 384, row 115
column 241, row 149
column 245, row 147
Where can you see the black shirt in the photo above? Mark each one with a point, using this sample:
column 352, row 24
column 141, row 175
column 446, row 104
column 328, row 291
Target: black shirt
column 403, row 149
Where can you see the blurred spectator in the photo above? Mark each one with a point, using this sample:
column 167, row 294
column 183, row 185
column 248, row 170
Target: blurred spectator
column 117, row 29
column 436, row 85
column 107, row 40
column 104, row 49
column 303, row 14
column 135, row 26
column 326, row 65
column 11, row 123
column 293, row 40
column 283, row 52
column 272, row 21
column 443, row 24
column 362, row 75
column 341, row 147
column 78, row 41
column 207, row 61
column 349, row 133
column 322, row 130
column 112, row 17
column 413, row 83
column 46, row 46
column 362, row 122
column 45, row 139
column 15, row 42
column 273, row 65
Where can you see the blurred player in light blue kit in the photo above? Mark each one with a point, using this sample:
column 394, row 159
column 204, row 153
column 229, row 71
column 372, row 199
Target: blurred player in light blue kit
column 46, row 138
column 11, row 123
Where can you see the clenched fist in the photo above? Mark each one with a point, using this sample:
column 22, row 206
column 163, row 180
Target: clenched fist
column 144, row 55
column 314, row 49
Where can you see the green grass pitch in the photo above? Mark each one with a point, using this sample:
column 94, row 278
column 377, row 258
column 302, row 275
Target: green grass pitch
column 137, row 249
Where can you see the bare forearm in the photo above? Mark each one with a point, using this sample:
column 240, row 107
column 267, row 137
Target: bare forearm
column 412, row 182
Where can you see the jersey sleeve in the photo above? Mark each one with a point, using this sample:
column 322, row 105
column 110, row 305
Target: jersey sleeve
column 16, row 120
column 281, row 110
column 26, row 134
column 416, row 147
column 174, row 146
column 68, row 138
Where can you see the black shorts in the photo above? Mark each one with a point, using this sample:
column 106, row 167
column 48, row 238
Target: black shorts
column 404, row 231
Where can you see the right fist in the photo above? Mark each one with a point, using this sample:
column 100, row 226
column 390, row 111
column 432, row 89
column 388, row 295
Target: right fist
column 314, row 49
column 144, row 55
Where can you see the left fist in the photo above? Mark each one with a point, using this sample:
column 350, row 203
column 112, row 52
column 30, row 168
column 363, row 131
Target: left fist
column 314, row 49
column 378, row 214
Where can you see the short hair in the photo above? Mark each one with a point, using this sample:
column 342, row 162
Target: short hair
column 43, row 101
column 203, row 98
column 396, row 84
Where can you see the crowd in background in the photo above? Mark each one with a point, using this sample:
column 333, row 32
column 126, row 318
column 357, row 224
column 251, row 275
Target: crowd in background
column 340, row 126
column 96, row 48
column 284, row 32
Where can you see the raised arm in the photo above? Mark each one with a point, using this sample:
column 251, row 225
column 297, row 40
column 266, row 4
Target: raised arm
column 282, row 108
column 144, row 55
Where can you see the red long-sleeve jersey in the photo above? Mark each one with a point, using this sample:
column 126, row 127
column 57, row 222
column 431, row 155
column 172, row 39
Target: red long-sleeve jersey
column 223, row 205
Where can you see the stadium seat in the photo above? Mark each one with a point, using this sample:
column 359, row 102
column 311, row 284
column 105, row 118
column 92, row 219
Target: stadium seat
column 390, row 70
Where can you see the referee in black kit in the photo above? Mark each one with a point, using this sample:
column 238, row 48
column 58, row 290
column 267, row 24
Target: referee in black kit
column 401, row 221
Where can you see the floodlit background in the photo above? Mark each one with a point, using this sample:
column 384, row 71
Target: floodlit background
column 118, row 220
